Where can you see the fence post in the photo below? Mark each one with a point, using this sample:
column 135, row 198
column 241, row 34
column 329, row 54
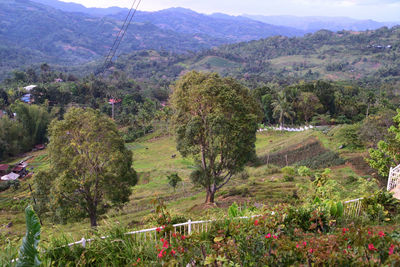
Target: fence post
column 389, row 180
column 189, row 227
column 83, row 242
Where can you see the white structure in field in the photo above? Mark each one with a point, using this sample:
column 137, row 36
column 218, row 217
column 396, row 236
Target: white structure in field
column 394, row 181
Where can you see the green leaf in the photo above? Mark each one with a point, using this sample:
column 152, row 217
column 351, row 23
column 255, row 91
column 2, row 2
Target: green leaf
column 340, row 209
column 218, row 239
column 28, row 253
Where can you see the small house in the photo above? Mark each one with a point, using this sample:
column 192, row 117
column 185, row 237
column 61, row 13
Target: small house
column 10, row 177
column 27, row 98
column 58, row 80
column 40, row 147
column 3, row 169
column 20, row 169
column 30, row 87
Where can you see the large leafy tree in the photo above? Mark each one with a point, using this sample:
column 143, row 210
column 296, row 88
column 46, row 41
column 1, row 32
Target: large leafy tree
column 91, row 169
column 388, row 152
column 215, row 121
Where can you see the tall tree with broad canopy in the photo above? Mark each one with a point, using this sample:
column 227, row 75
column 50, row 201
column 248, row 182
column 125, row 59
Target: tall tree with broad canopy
column 215, row 121
column 91, row 168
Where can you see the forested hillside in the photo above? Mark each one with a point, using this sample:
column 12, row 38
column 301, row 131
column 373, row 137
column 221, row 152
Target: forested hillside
column 45, row 34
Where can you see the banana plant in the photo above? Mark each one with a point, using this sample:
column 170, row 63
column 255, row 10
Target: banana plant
column 28, row 252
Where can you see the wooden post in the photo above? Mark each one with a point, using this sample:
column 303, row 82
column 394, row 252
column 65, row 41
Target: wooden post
column 34, row 200
column 286, row 160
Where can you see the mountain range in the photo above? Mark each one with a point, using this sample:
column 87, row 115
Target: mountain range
column 68, row 34
column 313, row 24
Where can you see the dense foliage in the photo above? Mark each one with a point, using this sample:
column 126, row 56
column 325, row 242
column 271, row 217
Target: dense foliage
column 90, row 167
column 207, row 108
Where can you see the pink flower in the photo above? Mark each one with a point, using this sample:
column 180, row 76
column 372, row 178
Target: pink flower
column 304, row 243
column 183, row 237
column 344, row 230
column 158, row 229
column 381, row 234
column 165, row 245
column 160, row 255
column 256, row 222
column 311, row 250
column 371, row 247
column 268, row 236
column 297, row 246
column 162, row 239
column 391, row 249
column 370, row 233
column 275, row 237
column 174, row 235
column 349, row 247
column 138, row 260
column 173, row 252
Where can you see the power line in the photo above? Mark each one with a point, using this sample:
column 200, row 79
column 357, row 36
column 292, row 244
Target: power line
column 119, row 37
column 134, row 12
column 119, row 33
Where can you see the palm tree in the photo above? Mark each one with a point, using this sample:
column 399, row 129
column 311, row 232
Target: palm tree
column 282, row 108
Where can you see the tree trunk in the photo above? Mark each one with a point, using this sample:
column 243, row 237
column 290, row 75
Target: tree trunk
column 210, row 196
column 93, row 218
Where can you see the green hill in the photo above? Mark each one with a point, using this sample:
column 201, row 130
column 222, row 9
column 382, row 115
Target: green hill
column 346, row 55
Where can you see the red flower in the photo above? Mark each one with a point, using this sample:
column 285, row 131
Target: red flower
column 344, row 230
column 158, row 229
column 391, row 249
column 370, row 233
column 304, row 243
column 183, row 237
column 174, row 235
column 297, row 246
column 371, row 247
column 165, row 245
column 173, row 252
column 349, row 247
column 381, row 234
column 162, row 239
column 311, row 250
column 160, row 255
column 268, row 236
column 256, row 222
column 138, row 260
column 275, row 237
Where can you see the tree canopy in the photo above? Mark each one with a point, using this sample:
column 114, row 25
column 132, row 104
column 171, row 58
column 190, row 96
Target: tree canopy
column 215, row 121
column 90, row 167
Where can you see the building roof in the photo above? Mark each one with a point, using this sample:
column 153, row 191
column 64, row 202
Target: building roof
column 114, row 101
column 10, row 177
column 30, row 87
column 4, row 167
column 18, row 168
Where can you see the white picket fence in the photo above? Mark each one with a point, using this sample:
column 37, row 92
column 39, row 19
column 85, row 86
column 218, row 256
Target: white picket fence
column 394, row 178
column 352, row 208
column 286, row 129
column 150, row 234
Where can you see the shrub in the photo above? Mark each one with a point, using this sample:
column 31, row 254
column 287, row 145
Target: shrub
column 304, row 171
column 348, row 135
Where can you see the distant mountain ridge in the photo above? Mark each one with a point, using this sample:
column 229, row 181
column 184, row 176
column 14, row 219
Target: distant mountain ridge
column 46, row 30
column 313, row 24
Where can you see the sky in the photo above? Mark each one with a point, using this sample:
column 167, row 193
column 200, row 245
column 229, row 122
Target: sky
column 380, row 10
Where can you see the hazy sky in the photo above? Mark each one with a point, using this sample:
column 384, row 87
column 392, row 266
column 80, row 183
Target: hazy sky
column 381, row 10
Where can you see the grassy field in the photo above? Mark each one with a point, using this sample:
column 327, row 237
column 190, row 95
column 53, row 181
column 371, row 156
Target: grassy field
column 156, row 158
